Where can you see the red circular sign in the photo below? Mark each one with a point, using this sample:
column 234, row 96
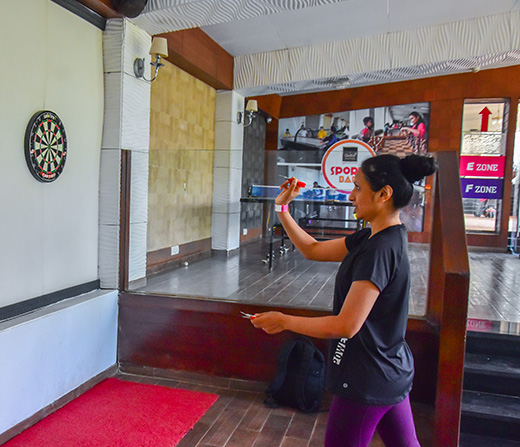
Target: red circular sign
column 341, row 162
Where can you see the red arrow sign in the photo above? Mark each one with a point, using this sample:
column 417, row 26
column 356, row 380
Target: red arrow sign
column 485, row 112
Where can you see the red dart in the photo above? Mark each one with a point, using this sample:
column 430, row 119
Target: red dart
column 300, row 184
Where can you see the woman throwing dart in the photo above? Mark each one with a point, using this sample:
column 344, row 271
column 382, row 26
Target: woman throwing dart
column 370, row 366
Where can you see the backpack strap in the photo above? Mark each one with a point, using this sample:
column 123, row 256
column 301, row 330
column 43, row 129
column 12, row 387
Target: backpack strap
column 283, row 358
column 305, row 366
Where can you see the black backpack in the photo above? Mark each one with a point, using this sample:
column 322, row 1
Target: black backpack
column 300, row 377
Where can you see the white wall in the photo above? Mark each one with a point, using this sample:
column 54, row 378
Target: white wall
column 48, row 232
column 50, row 352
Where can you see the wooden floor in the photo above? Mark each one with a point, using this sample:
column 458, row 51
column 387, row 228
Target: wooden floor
column 296, row 282
column 293, row 281
column 239, row 417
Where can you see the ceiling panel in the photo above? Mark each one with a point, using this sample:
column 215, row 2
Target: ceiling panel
column 247, row 36
column 346, row 20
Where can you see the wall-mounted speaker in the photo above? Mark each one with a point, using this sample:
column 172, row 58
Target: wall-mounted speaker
column 129, row 8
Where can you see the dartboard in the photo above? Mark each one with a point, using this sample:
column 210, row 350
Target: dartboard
column 45, row 146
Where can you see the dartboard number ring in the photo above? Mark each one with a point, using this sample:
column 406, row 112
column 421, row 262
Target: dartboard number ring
column 45, row 146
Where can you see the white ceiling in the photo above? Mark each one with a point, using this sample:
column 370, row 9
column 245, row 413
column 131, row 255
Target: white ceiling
column 263, row 27
column 345, row 20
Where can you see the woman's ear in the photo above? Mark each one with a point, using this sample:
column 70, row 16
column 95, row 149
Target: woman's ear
column 386, row 193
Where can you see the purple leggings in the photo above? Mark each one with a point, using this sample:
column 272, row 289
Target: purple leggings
column 352, row 424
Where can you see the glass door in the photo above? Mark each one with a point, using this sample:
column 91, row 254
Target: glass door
column 514, row 219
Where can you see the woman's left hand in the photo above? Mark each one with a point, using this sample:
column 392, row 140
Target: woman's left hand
column 270, row 322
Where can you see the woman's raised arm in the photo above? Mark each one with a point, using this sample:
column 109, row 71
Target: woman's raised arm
column 333, row 250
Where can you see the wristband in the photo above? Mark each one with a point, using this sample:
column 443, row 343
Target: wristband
column 281, row 208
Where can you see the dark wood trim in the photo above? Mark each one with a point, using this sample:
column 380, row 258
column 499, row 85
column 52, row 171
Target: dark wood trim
column 195, row 52
column 33, row 304
column 124, row 218
column 102, row 7
column 81, row 10
column 159, row 260
column 61, row 402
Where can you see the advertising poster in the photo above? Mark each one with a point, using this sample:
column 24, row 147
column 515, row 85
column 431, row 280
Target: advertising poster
column 326, row 150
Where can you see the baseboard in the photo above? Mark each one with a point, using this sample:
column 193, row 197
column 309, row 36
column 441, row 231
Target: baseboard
column 62, row 401
column 162, row 259
column 252, row 235
column 194, row 377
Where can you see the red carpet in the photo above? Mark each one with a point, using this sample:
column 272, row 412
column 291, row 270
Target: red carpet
column 120, row 414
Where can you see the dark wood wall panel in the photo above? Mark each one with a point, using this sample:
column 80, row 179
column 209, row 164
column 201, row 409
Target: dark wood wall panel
column 198, row 336
column 270, row 104
column 423, row 341
column 497, row 83
column 210, row 337
column 271, row 136
column 195, row 52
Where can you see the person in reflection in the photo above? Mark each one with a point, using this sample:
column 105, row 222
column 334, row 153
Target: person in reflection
column 368, row 131
column 416, row 133
column 490, row 212
column 331, row 138
column 322, row 134
column 370, row 366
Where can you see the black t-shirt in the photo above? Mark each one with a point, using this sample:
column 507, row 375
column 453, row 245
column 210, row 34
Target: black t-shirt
column 375, row 366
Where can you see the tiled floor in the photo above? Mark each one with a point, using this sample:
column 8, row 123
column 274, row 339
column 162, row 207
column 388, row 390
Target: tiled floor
column 295, row 281
column 239, row 417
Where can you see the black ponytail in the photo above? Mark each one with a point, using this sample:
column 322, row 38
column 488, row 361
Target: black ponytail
column 399, row 173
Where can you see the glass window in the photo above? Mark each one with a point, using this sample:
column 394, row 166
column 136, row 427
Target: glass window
column 482, row 163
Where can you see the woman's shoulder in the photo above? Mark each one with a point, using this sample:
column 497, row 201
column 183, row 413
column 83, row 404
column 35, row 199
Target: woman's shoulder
column 390, row 236
column 357, row 237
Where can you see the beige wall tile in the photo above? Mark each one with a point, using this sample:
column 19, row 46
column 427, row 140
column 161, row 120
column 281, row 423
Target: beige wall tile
column 182, row 141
